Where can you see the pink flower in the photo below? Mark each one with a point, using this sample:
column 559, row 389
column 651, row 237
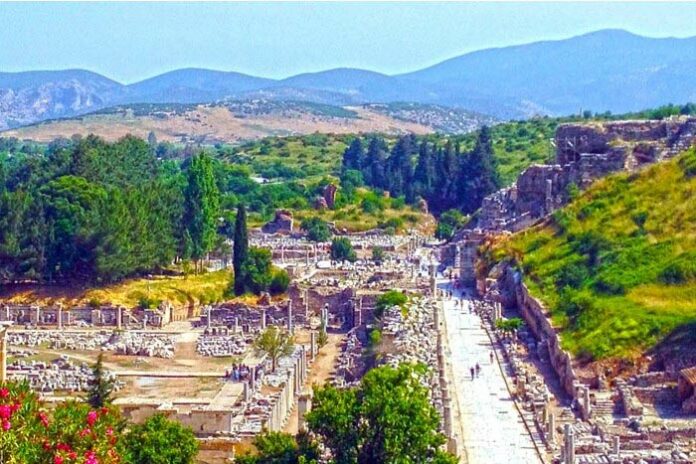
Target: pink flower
column 91, row 458
column 85, row 432
column 44, row 418
column 6, row 425
column 91, row 417
column 5, row 411
column 4, row 392
column 57, row 459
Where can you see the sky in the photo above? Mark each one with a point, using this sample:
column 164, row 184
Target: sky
column 132, row 41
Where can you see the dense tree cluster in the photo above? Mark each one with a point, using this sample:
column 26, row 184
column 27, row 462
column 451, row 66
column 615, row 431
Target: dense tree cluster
column 442, row 174
column 87, row 209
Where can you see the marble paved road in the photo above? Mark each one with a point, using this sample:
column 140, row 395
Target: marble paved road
column 493, row 432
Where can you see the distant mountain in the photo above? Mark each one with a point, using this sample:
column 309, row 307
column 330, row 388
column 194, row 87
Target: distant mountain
column 192, row 86
column 27, row 97
column 606, row 70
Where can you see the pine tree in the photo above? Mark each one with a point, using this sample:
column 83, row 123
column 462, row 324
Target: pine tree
column 240, row 250
column 101, row 386
column 481, row 176
column 374, row 168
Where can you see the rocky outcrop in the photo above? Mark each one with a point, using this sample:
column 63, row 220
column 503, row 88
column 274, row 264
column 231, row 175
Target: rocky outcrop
column 281, row 223
column 584, row 153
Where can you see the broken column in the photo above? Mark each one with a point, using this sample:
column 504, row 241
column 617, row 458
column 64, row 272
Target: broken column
column 304, row 405
column 59, row 316
column 209, row 317
column 263, row 318
column 586, row 406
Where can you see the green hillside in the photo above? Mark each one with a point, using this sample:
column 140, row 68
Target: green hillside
column 617, row 267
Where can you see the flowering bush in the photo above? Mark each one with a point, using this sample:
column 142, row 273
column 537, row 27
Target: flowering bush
column 71, row 433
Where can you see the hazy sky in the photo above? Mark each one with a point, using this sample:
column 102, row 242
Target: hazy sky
column 132, row 41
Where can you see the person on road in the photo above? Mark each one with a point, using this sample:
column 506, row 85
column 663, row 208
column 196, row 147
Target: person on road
column 471, row 369
column 491, row 356
column 478, row 369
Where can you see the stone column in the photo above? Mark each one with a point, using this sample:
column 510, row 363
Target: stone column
column 568, row 445
column 209, row 317
column 247, row 391
column 313, row 345
column 433, row 280
column 119, row 317
column 263, row 318
column 551, row 428
column 144, row 321
column 291, row 328
column 306, row 304
column 59, row 317
column 616, row 445
column 586, row 406
column 3, row 352
column 236, row 325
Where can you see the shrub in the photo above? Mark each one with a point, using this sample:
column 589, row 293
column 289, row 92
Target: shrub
column 572, row 275
column 388, row 300
column 280, row 281
column 680, row 270
column 342, row 250
column 317, row 229
column 161, row 441
column 688, row 163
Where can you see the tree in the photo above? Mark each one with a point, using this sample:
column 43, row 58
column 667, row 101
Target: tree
column 257, row 271
column 448, row 223
column 275, row 343
column 342, row 250
column 240, row 249
column 378, row 254
column 353, row 156
column 201, row 206
column 101, row 386
column 159, row 440
column 480, row 175
column 388, row 418
column 317, row 229
column 282, row 448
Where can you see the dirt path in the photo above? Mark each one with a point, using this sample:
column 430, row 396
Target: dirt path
column 322, row 369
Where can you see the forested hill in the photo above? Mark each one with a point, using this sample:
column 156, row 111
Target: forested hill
column 617, row 266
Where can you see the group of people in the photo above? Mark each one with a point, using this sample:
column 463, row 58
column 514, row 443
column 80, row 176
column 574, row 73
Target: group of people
column 241, row 372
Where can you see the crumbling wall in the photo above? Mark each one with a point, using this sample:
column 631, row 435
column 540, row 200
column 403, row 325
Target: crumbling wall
column 584, row 153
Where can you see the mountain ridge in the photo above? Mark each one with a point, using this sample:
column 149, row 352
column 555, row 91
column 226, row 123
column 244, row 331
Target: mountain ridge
column 610, row 69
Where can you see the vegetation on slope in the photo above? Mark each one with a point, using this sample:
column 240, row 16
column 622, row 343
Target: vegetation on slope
column 617, row 267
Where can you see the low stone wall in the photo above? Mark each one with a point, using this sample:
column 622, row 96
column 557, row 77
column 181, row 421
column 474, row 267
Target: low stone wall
column 534, row 314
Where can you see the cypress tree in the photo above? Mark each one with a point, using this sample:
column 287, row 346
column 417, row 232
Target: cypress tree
column 101, row 387
column 353, row 156
column 240, row 249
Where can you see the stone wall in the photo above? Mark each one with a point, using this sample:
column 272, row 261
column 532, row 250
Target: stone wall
column 535, row 316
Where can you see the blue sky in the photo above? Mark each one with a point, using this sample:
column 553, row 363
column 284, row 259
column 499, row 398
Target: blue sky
column 132, row 41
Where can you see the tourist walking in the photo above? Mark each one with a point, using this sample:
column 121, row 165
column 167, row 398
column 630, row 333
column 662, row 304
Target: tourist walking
column 478, row 369
column 471, row 369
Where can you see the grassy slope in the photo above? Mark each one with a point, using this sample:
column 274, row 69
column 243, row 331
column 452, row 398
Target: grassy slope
column 618, row 265
column 203, row 288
